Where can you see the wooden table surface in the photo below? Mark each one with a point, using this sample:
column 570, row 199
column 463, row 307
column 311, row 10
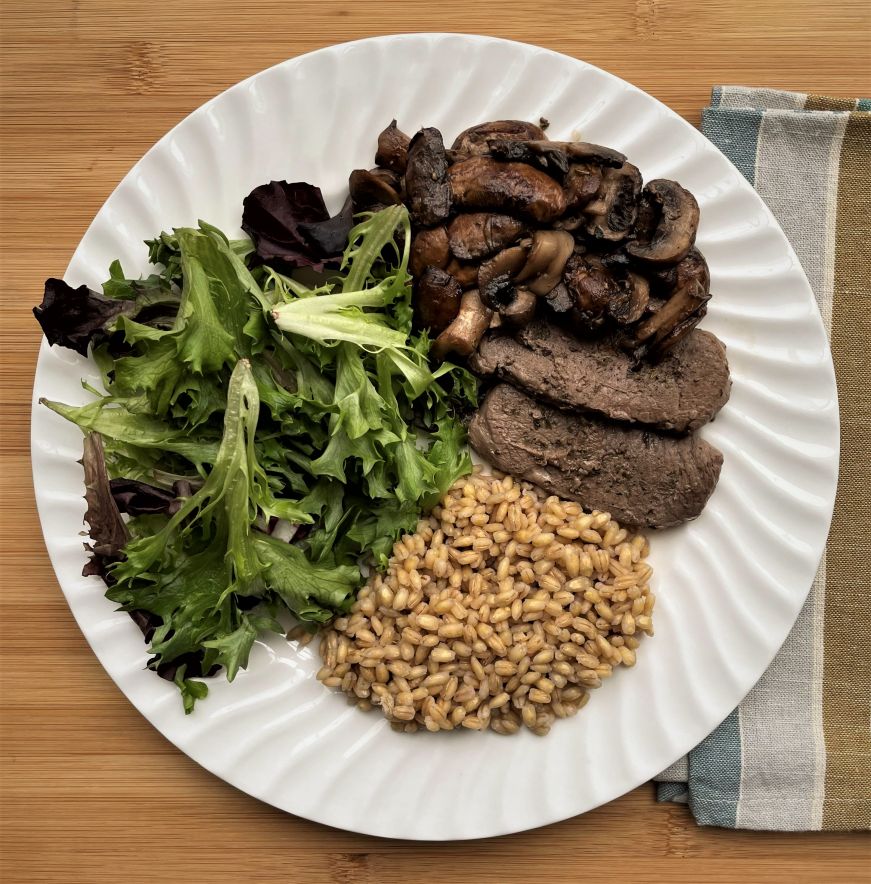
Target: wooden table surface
column 90, row 792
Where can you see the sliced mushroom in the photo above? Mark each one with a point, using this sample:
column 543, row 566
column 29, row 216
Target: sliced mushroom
column 429, row 248
column 436, row 299
column 631, row 299
column 591, row 286
column 670, row 219
column 479, row 234
column 429, row 193
column 554, row 156
column 584, row 151
column 673, row 321
column 481, row 183
column 463, row 334
column 559, row 301
column 508, row 261
column 392, row 150
column 473, row 141
column 613, row 212
column 664, row 280
column 581, row 184
column 547, row 260
column 374, row 188
column 465, row 273
column 549, row 156
column 514, row 304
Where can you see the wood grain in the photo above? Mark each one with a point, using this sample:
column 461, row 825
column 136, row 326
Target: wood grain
column 90, row 792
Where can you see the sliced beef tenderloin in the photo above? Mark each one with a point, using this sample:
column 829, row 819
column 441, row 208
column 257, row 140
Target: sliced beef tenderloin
column 680, row 393
column 641, row 477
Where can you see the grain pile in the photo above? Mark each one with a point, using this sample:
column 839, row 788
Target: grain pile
column 504, row 609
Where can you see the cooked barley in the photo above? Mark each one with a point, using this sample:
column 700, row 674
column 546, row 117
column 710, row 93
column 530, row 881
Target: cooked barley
column 504, row 609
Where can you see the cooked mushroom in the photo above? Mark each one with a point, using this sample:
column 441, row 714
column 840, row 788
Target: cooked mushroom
column 547, row 260
column 392, row 150
column 613, row 212
column 426, row 183
column 374, row 188
column 508, row 261
column 591, row 286
column 558, row 300
column 480, row 234
column 465, row 273
column 669, row 219
column 514, row 304
column 581, row 184
column 481, row 183
column 473, row 141
column 554, row 156
column 631, row 299
column 429, row 248
column 665, row 279
column 467, row 329
column 674, row 320
column 436, row 299
column 549, row 156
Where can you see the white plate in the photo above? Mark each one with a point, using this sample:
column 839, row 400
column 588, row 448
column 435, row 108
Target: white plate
column 729, row 584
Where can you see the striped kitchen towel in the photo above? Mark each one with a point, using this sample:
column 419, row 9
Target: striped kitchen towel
column 796, row 754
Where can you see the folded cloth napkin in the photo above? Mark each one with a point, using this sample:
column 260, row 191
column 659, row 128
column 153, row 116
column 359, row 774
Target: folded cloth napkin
column 796, row 754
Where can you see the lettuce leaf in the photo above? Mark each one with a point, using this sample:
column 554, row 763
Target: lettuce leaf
column 236, row 396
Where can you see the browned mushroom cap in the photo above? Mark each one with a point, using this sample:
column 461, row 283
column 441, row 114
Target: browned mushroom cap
column 429, row 248
column 590, row 285
column 547, row 260
column 464, row 272
column 392, row 150
column 467, row 329
column 670, row 218
column 374, row 188
column 479, row 234
column 673, row 321
column 582, row 183
column 513, row 188
column 429, row 194
column 613, row 212
column 508, row 261
column 436, row 299
column 473, row 141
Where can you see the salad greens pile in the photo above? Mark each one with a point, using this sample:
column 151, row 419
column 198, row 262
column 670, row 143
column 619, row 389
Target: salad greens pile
column 264, row 436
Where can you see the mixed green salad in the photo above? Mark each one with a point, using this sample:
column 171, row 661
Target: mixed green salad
column 263, row 436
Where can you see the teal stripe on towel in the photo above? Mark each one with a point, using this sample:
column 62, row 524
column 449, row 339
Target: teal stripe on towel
column 715, row 775
column 735, row 132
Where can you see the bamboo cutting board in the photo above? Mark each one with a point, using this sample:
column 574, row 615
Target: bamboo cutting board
column 90, row 792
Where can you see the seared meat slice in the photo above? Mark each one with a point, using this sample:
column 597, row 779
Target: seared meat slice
column 681, row 392
column 642, row 478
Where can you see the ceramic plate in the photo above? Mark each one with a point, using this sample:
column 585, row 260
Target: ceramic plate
column 729, row 584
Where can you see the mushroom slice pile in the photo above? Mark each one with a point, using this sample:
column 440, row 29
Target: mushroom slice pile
column 507, row 219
